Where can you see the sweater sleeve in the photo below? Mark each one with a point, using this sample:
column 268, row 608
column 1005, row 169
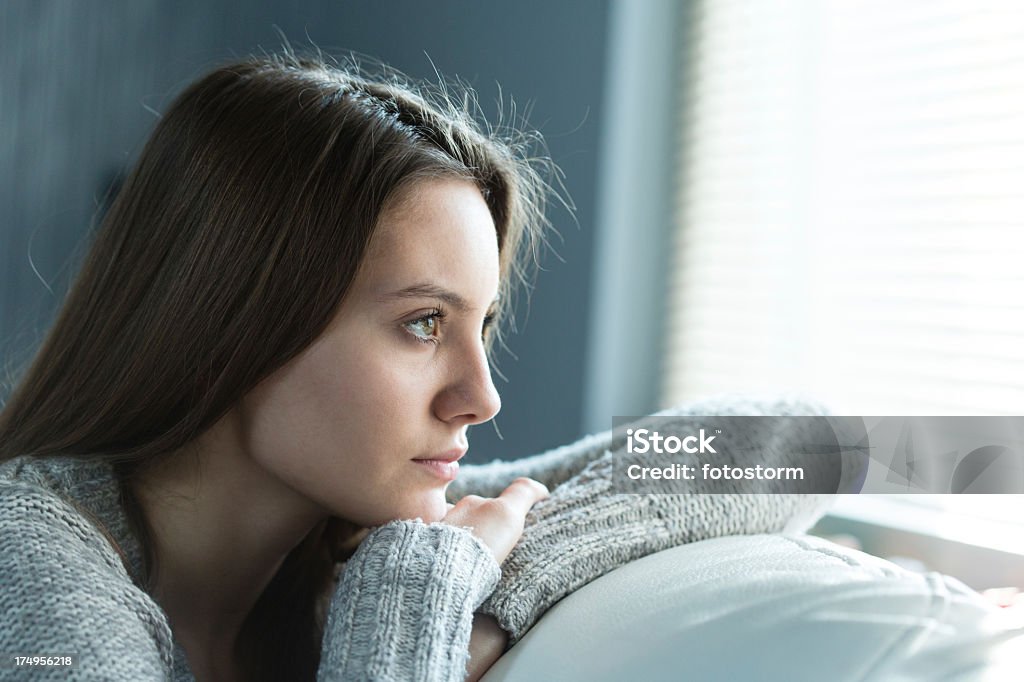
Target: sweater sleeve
column 585, row 529
column 554, row 467
column 403, row 608
column 66, row 592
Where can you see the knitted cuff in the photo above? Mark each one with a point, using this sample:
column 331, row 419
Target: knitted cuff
column 404, row 606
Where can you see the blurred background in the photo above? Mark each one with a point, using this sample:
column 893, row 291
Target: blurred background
column 811, row 196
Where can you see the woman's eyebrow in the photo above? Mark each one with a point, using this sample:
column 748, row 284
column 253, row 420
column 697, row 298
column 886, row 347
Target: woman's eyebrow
column 427, row 290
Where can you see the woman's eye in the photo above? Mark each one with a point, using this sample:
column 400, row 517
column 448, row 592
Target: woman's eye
column 424, row 328
column 488, row 323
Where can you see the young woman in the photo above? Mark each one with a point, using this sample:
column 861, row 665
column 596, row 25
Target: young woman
column 233, row 456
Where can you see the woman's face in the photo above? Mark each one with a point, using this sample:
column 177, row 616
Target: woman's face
column 400, row 373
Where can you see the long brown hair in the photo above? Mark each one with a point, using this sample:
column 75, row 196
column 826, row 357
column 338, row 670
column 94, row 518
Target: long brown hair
column 226, row 252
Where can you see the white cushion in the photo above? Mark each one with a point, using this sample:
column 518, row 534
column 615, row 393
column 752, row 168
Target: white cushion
column 766, row 607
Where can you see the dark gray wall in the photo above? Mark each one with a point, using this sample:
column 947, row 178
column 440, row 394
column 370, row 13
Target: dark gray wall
column 76, row 80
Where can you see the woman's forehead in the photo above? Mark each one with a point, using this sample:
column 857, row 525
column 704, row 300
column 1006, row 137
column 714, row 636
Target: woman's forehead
column 441, row 229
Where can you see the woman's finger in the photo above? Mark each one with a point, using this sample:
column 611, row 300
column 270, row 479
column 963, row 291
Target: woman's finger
column 523, row 493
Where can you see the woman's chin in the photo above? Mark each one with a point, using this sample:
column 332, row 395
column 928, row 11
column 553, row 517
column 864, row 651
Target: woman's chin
column 430, row 507
column 434, row 508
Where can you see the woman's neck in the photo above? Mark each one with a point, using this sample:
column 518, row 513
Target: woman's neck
column 221, row 528
column 206, row 663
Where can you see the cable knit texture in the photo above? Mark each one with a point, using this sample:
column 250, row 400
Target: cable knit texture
column 402, row 610
column 408, row 595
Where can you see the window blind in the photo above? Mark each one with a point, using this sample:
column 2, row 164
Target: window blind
column 850, row 217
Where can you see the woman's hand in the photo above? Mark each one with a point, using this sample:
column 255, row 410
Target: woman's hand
column 498, row 521
column 487, row 643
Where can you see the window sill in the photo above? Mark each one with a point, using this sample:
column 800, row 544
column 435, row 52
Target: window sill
column 983, row 553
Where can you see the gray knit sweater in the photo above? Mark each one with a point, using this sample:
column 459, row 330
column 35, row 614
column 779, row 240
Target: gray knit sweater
column 402, row 609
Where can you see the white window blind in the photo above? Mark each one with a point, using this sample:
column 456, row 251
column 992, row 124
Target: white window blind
column 851, row 205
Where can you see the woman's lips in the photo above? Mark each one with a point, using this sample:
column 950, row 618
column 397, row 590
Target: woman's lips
column 444, row 469
column 444, row 464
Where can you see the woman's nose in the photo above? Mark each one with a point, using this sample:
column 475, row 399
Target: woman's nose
column 470, row 397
